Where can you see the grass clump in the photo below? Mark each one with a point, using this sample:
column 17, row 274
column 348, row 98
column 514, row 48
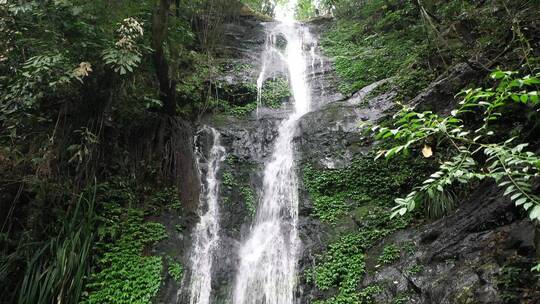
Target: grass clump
column 58, row 268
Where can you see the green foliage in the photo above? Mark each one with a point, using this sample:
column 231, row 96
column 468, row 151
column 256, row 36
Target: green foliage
column 175, row 269
column 249, row 200
column 409, row 247
column 416, row 269
column 514, row 282
column 228, row 180
column 243, row 100
column 510, row 280
column 342, row 265
column 365, row 296
column 401, row 299
column 410, row 40
column 243, row 110
column 390, row 254
column 58, row 269
column 164, row 200
column 82, row 150
column 336, row 191
column 179, row 227
column 123, row 274
column 479, row 153
column 379, row 43
column 70, row 113
column 126, row 53
column 305, row 9
column 262, row 6
column 275, row 91
column 231, row 160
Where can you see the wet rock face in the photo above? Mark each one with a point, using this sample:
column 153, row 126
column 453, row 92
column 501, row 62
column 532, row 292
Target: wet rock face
column 455, row 260
column 439, row 95
column 243, row 41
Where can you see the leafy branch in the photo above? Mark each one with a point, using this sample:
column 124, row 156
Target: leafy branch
column 478, row 155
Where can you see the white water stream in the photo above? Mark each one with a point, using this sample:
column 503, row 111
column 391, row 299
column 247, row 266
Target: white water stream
column 268, row 257
column 206, row 233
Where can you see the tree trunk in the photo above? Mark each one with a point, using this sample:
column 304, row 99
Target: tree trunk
column 167, row 86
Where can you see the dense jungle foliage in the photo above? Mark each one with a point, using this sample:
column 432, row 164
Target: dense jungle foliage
column 95, row 96
column 80, row 82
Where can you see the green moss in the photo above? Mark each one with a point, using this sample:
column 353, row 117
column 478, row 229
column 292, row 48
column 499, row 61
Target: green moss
column 365, row 182
column 236, row 178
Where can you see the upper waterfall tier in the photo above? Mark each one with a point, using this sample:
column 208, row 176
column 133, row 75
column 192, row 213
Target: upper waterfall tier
column 269, row 254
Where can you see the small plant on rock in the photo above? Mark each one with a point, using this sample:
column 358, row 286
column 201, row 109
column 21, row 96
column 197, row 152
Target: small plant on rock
column 389, row 254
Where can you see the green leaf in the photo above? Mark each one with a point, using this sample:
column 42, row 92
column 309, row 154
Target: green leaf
column 497, row 75
column 515, row 196
column 535, row 213
column 521, row 201
column 509, row 190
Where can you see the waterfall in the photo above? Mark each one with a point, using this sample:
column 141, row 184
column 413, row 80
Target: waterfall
column 206, row 232
column 268, row 257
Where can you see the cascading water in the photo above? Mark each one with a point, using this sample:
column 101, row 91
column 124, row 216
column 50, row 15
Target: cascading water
column 268, row 257
column 206, row 232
